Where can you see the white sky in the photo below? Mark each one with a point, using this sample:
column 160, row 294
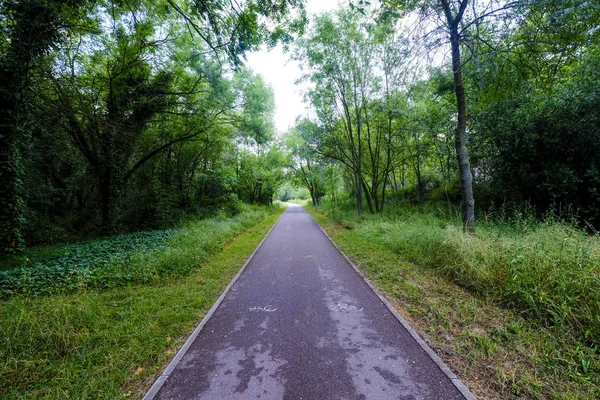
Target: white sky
column 281, row 73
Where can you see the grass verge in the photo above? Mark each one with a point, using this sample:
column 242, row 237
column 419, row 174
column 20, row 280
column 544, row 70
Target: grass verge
column 499, row 351
column 111, row 344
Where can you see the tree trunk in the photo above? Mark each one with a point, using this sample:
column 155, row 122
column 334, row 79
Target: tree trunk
column 367, row 193
column 359, row 203
column 313, row 198
column 464, row 166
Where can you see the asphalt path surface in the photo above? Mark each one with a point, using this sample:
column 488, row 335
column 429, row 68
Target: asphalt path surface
column 300, row 323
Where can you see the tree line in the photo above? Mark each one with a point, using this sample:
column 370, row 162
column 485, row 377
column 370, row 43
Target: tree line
column 123, row 115
column 460, row 100
column 128, row 114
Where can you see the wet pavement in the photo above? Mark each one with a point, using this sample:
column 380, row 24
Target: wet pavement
column 300, row 323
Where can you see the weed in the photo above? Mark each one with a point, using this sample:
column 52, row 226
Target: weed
column 547, row 270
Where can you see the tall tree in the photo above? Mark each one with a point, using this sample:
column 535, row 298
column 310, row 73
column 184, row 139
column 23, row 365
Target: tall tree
column 339, row 59
column 454, row 13
column 456, row 26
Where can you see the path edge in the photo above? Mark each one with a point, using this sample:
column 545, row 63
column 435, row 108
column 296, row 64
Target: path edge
column 162, row 378
column 436, row 359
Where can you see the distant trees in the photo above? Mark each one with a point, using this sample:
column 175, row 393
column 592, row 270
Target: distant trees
column 308, row 168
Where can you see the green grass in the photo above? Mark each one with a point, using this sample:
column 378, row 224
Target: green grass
column 112, row 343
column 514, row 309
column 546, row 270
column 122, row 260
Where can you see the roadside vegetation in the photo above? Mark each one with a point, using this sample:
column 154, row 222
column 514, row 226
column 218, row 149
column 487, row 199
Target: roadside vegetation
column 108, row 341
column 514, row 310
column 143, row 257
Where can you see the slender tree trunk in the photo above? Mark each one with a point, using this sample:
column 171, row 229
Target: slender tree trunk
column 464, row 166
column 359, row 200
column 383, row 186
column 367, row 193
column 394, row 182
column 403, row 176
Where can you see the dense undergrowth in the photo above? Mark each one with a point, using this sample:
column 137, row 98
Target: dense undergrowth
column 547, row 270
column 141, row 257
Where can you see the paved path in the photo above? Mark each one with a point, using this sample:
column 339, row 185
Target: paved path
column 300, row 323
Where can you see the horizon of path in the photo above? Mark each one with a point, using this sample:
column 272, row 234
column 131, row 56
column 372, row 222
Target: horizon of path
column 301, row 323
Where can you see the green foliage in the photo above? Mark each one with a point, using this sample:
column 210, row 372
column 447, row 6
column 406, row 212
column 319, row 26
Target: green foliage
column 309, row 168
column 28, row 30
column 288, row 192
column 257, row 108
column 358, row 103
column 115, row 117
column 260, row 174
column 546, row 142
column 123, row 260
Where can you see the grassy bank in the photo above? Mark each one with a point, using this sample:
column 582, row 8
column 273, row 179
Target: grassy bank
column 142, row 257
column 513, row 310
column 112, row 343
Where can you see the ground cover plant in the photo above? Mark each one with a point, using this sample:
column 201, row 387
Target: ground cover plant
column 141, row 257
column 112, row 343
column 514, row 309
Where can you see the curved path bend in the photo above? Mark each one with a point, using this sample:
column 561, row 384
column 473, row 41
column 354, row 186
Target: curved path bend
column 301, row 323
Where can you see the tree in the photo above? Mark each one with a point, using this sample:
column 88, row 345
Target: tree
column 456, row 26
column 233, row 28
column 307, row 166
column 260, row 174
column 357, row 124
column 454, row 18
column 119, row 89
column 536, row 118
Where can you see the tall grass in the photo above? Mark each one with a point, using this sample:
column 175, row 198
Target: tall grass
column 112, row 344
column 125, row 259
column 547, row 270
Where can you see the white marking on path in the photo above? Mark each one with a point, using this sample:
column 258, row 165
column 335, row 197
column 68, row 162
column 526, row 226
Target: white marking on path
column 268, row 308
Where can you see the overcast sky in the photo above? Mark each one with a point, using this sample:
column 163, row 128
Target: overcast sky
column 280, row 74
